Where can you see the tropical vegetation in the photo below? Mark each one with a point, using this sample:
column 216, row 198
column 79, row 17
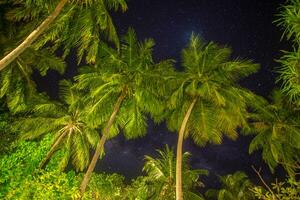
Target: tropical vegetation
column 50, row 146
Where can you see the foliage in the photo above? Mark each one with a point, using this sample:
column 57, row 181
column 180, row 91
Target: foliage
column 6, row 135
column 81, row 24
column 47, row 185
column 210, row 76
column 159, row 181
column 16, row 85
column 235, row 186
column 287, row 190
column 289, row 69
column 277, row 133
column 21, row 163
column 105, row 187
column 66, row 121
column 288, row 19
column 131, row 71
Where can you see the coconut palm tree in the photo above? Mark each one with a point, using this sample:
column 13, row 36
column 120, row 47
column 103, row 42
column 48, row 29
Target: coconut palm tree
column 207, row 102
column 74, row 24
column 123, row 88
column 161, row 176
column 234, row 187
column 66, row 122
column 16, row 85
column 277, row 133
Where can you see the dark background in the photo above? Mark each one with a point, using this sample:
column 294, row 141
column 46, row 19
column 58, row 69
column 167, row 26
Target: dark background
column 245, row 25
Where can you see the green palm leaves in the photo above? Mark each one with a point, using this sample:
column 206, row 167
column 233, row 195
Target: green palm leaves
column 160, row 176
column 123, row 87
column 66, row 122
column 234, row 187
column 278, row 133
column 207, row 102
column 79, row 24
column 289, row 71
column 210, row 77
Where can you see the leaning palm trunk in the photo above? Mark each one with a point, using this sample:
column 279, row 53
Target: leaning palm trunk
column 179, row 194
column 51, row 151
column 32, row 36
column 100, row 145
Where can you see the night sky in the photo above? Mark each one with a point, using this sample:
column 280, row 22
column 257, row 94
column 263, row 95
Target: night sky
column 245, row 25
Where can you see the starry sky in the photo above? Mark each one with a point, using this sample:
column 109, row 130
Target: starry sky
column 245, row 25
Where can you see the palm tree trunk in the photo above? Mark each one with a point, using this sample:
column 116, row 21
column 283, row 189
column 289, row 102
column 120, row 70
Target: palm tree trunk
column 100, row 145
column 51, row 151
column 179, row 194
column 32, row 36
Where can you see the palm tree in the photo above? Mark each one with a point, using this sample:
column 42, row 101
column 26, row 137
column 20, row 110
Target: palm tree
column 207, row 101
column 234, row 187
column 277, row 132
column 66, row 122
column 124, row 86
column 161, row 176
column 78, row 24
column 16, row 84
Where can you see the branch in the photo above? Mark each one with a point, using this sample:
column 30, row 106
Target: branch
column 263, row 181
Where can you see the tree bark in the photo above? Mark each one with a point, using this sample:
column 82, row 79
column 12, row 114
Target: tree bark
column 51, row 151
column 100, row 145
column 32, row 36
column 179, row 194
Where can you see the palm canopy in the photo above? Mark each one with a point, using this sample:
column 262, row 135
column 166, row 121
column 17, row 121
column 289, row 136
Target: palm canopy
column 209, row 79
column 82, row 24
column 130, row 71
column 65, row 120
column 277, row 132
column 160, row 176
column 16, row 84
column 235, row 186
column 122, row 89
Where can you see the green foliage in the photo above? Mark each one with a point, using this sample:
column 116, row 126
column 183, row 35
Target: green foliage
column 21, row 163
column 20, row 178
column 159, row 181
column 130, row 71
column 289, row 69
column 277, row 133
column 288, row 19
column 6, row 135
column 287, row 190
column 210, row 77
column 105, row 187
column 81, row 24
column 47, row 185
column 66, row 122
column 235, row 186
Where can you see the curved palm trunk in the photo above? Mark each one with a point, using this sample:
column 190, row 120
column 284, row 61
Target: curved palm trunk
column 32, row 36
column 179, row 194
column 100, row 145
column 51, row 151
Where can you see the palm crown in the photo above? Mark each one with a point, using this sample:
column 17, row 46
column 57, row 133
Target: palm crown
column 132, row 72
column 210, row 77
column 161, row 175
column 66, row 122
column 82, row 24
column 123, row 87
